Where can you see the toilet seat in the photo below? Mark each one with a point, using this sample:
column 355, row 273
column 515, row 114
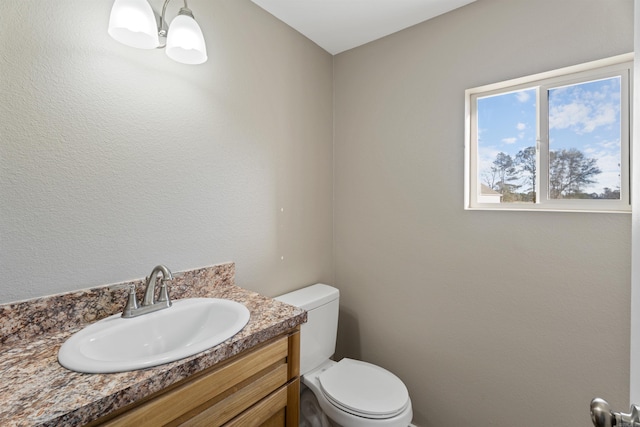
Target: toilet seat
column 364, row 389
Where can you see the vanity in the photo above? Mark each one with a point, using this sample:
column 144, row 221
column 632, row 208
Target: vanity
column 251, row 379
column 259, row 387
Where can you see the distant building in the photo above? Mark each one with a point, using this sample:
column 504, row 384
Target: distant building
column 488, row 195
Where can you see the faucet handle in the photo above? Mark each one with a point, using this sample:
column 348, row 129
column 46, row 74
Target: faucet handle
column 132, row 301
column 164, row 291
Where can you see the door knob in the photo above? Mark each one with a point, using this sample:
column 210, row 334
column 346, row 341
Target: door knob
column 603, row 416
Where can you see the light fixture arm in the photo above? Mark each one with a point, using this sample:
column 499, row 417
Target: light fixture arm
column 163, row 27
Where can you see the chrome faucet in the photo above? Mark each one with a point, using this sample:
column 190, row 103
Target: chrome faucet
column 150, row 293
column 150, row 303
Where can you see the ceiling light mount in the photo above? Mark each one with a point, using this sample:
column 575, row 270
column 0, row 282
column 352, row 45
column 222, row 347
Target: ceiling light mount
column 134, row 23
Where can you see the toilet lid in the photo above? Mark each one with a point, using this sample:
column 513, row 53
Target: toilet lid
column 364, row 389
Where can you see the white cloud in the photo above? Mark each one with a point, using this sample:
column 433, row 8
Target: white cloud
column 569, row 115
column 582, row 117
column 608, row 162
column 522, row 96
column 509, row 140
column 582, row 111
column 521, row 126
column 608, row 145
column 605, row 115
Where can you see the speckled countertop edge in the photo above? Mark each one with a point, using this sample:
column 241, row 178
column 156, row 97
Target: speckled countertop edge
column 36, row 390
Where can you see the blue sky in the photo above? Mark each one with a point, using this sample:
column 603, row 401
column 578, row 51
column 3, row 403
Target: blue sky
column 585, row 116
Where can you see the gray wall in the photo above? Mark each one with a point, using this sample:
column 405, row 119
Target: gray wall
column 491, row 318
column 114, row 159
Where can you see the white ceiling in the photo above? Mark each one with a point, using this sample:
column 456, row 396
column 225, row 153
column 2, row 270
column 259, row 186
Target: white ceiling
column 339, row 25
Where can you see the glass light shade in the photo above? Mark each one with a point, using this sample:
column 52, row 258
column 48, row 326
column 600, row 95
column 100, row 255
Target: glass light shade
column 133, row 23
column 185, row 42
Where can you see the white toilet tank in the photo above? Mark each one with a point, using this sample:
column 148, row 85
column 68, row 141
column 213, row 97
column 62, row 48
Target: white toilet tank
column 318, row 335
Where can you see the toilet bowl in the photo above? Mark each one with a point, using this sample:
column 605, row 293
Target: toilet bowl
column 350, row 392
column 353, row 393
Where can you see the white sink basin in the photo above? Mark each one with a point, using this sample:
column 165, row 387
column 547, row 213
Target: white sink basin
column 188, row 327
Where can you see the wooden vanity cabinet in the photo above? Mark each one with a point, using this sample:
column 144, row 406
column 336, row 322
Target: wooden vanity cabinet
column 259, row 387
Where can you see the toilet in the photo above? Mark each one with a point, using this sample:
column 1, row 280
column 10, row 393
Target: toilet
column 351, row 393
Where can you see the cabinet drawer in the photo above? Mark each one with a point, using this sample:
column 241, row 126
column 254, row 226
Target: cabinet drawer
column 264, row 412
column 241, row 400
column 215, row 391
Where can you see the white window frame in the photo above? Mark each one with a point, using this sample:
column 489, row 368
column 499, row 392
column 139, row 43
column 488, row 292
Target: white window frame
column 621, row 65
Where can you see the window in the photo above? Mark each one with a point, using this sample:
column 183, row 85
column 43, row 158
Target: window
column 554, row 141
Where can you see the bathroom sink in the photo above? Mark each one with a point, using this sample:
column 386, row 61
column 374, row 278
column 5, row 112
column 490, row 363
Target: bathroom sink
column 189, row 326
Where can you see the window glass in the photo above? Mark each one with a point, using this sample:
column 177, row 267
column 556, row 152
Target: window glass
column 584, row 140
column 507, row 146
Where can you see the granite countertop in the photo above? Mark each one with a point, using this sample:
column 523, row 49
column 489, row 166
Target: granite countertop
column 36, row 390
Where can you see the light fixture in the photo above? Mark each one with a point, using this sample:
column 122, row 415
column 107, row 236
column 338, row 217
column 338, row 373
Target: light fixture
column 185, row 42
column 133, row 23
